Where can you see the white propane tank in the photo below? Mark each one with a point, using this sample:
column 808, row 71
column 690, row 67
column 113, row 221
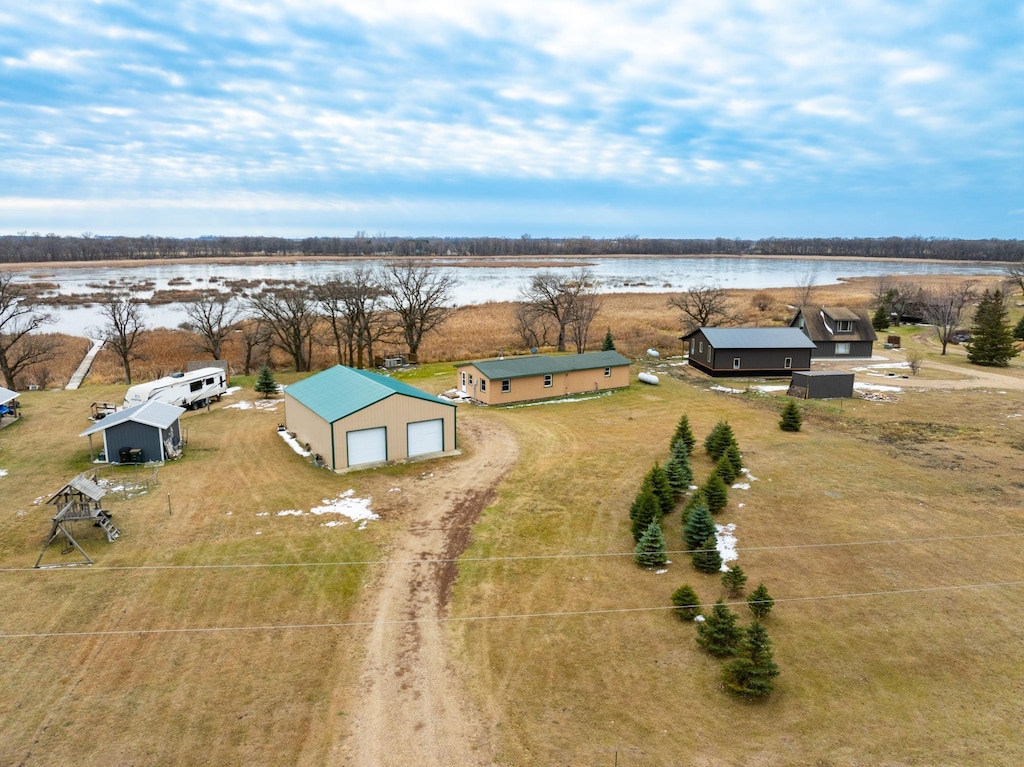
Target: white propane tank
column 648, row 378
column 653, row 353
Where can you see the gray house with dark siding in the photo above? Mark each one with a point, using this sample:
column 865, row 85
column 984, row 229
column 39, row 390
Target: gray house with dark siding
column 837, row 331
column 749, row 351
column 141, row 433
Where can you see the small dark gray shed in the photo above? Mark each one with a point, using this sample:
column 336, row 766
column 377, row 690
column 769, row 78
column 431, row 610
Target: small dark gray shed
column 141, row 433
column 821, row 384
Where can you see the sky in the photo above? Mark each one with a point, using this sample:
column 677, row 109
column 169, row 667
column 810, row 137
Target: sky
column 555, row 118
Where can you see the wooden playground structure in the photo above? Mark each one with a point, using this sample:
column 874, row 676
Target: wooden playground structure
column 78, row 501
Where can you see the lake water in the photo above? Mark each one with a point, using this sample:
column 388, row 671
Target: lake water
column 481, row 282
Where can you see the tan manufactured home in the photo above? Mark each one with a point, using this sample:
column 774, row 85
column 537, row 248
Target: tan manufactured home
column 353, row 418
column 522, row 379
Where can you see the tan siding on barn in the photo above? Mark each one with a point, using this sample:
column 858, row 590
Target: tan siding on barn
column 307, row 426
column 532, row 387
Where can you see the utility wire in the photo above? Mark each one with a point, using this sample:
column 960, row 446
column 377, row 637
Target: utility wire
column 476, row 618
column 524, row 557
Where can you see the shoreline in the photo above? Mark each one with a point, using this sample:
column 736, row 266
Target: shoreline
column 457, row 262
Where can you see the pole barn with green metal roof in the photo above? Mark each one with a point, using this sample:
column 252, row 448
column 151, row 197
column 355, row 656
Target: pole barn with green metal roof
column 356, row 419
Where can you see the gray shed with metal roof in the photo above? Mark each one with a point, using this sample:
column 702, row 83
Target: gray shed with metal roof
column 141, row 433
column 749, row 351
column 353, row 418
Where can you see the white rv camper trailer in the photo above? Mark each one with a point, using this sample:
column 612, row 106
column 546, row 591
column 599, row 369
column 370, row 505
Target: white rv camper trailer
column 190, row 390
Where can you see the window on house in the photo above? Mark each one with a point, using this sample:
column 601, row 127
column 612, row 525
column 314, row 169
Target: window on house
column 700, row 347
column 547, row 381
column 470, row 379
column 788, row 363
column 506, row 385
column 607, row 372
column 735, row 363
column 844, row 326
column 842, row 348
column 483, row 384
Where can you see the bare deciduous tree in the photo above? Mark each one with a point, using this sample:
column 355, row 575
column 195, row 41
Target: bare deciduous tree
column 945, row 308
column 703, row 306
column 1015, row 274
column 805, row 285
column 289, row 316
column 420, row 296
column 561, row 299
column 20, row 345
column 581, row 315
column 123, row 323
column 211, row 316
column 355, row 310
column 533, row 327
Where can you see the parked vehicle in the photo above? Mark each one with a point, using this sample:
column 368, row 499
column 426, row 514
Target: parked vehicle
column 191, row 390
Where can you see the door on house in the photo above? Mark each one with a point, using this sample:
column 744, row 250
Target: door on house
column 463, row 374
column 426, row 437
column 367, row 446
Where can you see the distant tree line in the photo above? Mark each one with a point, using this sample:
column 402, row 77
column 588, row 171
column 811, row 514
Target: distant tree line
column 34, row 247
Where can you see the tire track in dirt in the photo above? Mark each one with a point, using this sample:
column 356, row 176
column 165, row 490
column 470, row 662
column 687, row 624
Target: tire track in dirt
column 410, row 706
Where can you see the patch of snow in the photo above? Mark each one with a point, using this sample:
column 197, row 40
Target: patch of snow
column 290, row 513
column 3, row 472
column 726, row 389
column 660, row 572
column 228, row 513
column 741, row 486
column 259, row 532
column 750, row 476
column 725, row 542
column 876, row 387
column 698, row 618
column 395, row 490
column 259, row 404
column 263, row 514
column 885, row 366
column 771, row 387
column 294, row 443
column 232, row 390
column 559, row 401
column 740, row 505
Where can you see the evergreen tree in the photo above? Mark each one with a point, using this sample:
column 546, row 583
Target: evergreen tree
column 718, row 634
column 645, row 510
column 265, row 383
column 698, row 527
column 687, row 602
column 716, row 493
column 760, row 602
column 725, row 469
column 724, row 438
column 697, row 499
column 991, row 338
column 608, row 345
column 734, row 580
column 706, row 559
column 735, row 457
column 880, row 319
column 1018, row 329
column 791, row 419
column 678, row 469
column 752, row 672
column 662, row 489
column 650, row 549
column 684, row 434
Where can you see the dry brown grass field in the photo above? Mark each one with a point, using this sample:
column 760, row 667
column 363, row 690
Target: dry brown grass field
column 888, row 532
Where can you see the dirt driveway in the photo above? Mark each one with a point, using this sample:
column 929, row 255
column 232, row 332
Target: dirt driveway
column 410, row 706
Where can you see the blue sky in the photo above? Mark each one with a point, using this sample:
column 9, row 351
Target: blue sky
column 734, row 118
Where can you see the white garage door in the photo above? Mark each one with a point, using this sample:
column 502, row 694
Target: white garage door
column 426, row 437
column 367, row 446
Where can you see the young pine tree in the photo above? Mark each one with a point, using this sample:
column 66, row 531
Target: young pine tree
column 608, row 345
column 718, row 634
column 723, row 437
column 687, row 602
column 716, row 493
column 697, row 499
column 678, row 469
column 706, row 559
column 1018, row 329
column 791, row 418
column 752, row 673
column 760, row 602
column 725, row 469
column 645, row 509
column 650, row 549
column 880, row 319
column 734, row 580
column 698, row 527
column 662, row 489
column 265, row 383
column 735, row 457
column 684, row 434
column 991, row 338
